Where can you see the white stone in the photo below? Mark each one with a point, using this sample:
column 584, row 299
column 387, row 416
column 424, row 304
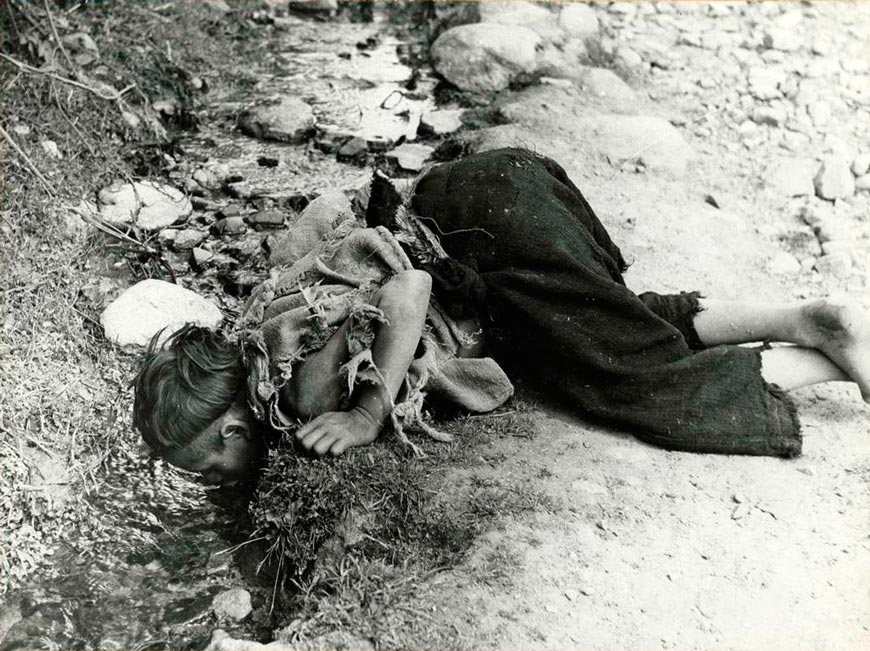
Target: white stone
column 773, row 116
column 152, row 305
column 536, row 17
column 578, row 20
column 50, row 148
column 764, row 82
column 785, row 264
column 627, row 9
column 831, row 228
column 863, row 182
column 820, row 113
column 150, row 205
column 187, row 239
column 628, row 58
column 288, row 121
column 485, row 56
column 411, row 156
column 837, row 264
column 206, row 178
column 442, row 121
column 792, row 177
column 834, row 179
column 232, row 604
column 788, row 20
column 861, row 165
column 600, row 82
column 781, row 39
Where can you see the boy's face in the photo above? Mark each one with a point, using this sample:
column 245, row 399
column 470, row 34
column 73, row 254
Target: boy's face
column 226, row 452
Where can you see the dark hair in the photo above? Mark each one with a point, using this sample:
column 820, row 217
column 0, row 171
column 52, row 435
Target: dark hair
column 184, row 385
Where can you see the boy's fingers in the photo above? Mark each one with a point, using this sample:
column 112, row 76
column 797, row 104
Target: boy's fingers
column 324, row 443
column 339, row 446
column 312, row 437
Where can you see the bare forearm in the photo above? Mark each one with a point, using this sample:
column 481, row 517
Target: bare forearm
column 404, row 302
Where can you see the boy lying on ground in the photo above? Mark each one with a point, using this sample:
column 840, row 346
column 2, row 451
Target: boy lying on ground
column 352, row 335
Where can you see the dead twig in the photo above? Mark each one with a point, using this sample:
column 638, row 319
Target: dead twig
column 28, row 68
column 57, row 36
column 657, row 141
column 109, row 229
column 48, row 186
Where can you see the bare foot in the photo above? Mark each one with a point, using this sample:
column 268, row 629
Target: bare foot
column 841, row 330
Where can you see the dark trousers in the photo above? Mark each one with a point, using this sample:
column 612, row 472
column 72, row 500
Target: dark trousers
column 554, row 286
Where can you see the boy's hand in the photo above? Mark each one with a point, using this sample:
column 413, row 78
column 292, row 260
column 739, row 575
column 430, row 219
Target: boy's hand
column 336, row 431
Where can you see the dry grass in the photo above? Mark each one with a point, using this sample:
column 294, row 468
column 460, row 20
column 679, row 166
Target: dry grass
column 65, row 399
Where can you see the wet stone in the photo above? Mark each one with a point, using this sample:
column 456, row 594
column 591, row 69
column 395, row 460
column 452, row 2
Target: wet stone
column 200, row 257
column 234, row 604
column 353, row 151
column 230, row 210
column 187, row 239
column 289, row 121
column 229, row 226
column 267, row 219
column 206, row 178
column 411, row 156
column 441, row 121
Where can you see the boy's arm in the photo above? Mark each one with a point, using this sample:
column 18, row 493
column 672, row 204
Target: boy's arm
column 404, row 301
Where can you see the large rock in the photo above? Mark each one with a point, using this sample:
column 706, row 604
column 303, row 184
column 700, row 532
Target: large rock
column 151, row 305
column 834, row 179
column 289, row 121
column 320, row 217
column 792, row 177
column 604, row 84
column 536, row 17
column 578, row 20
column 149, row 205
column 485, row 56
column 234, row 604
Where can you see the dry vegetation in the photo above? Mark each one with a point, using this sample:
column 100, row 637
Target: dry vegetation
column 78, row 81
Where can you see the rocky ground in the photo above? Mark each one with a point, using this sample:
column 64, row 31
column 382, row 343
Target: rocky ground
column 724, row 146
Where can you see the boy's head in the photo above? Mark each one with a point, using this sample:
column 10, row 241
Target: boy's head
column 189, row 406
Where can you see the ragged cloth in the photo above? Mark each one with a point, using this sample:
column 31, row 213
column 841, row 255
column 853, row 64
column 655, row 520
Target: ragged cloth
column 308, row 297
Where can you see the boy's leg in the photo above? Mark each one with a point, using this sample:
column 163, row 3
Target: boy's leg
column 839, row 329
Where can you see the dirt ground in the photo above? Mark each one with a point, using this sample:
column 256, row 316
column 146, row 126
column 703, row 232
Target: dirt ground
column 655, row 549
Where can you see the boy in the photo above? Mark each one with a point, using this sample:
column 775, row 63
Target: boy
column 664, row 367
